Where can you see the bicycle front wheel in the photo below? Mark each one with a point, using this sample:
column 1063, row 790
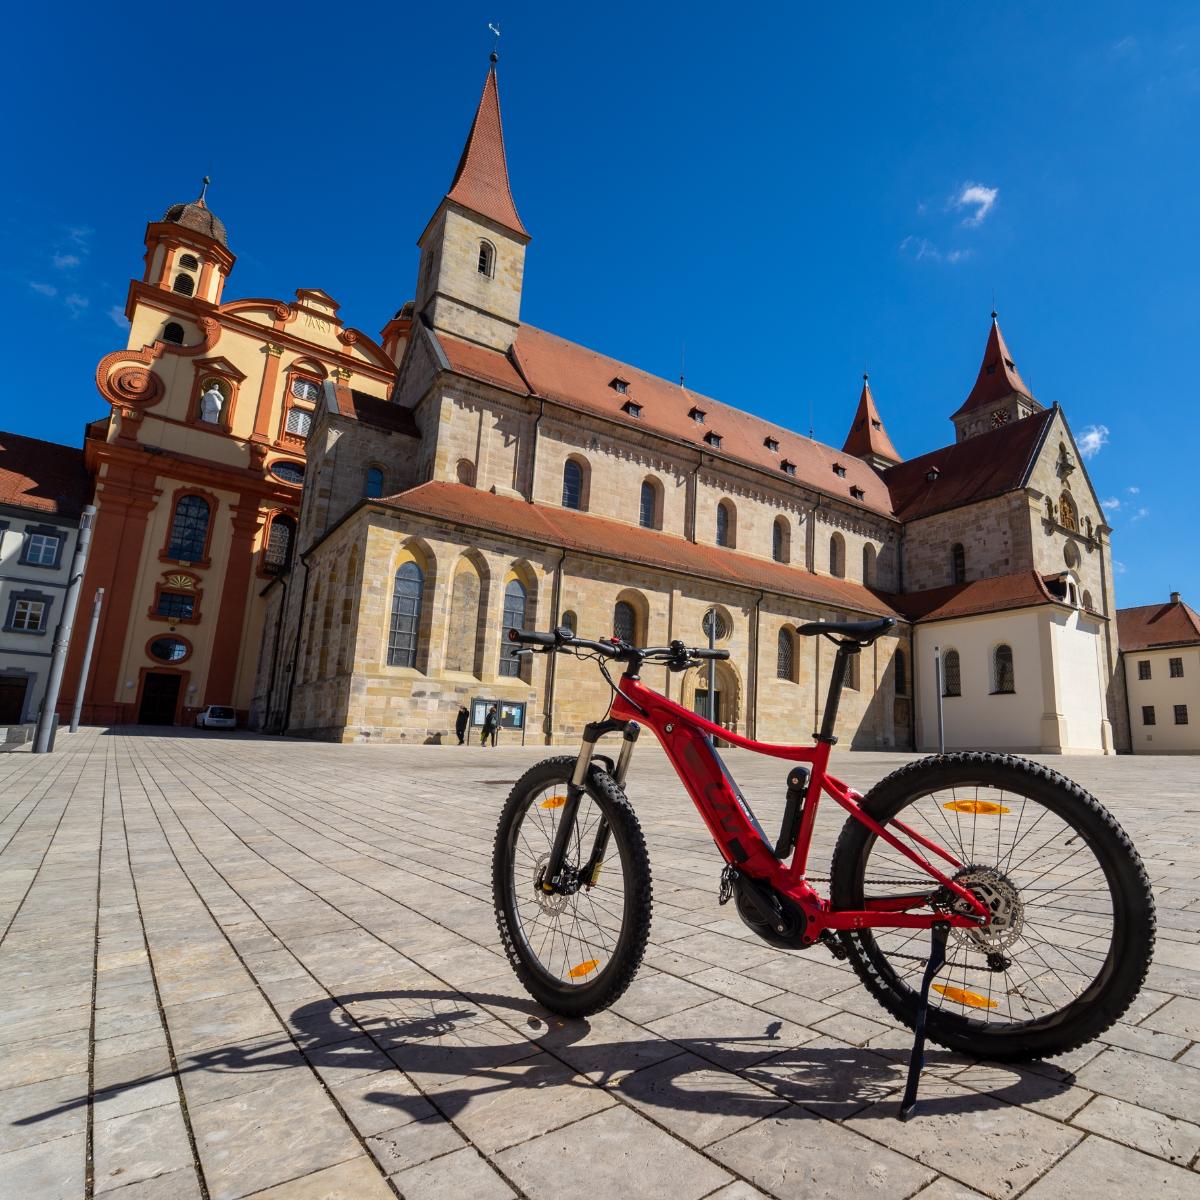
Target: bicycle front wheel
column 575, row 950
column 1072, row 929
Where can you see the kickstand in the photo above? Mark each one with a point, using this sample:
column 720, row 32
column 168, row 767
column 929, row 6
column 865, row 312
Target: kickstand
column 937, row 959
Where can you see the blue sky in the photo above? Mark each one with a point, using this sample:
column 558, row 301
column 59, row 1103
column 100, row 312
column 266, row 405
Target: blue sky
column 783, row 195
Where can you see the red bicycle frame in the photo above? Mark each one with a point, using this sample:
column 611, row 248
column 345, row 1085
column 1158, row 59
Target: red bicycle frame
column 685, row 736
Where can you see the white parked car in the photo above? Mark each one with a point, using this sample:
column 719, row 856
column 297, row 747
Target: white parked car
column 216, row 716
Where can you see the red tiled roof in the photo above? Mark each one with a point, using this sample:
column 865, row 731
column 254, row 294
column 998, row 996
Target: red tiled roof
column 580, row 378
column 374, row 410
column 43, row 476
column 481, row 181
column 612, row 539
column 1020, row 590
column 998, row 375
column 988, row 464
column 867, row 434
column 1152, row 625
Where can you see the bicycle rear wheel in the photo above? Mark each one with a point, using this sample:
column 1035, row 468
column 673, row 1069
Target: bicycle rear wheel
column 576, row 952
column 1072, row 932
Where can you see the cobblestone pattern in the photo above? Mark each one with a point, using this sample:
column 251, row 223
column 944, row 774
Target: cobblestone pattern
column 236, row 967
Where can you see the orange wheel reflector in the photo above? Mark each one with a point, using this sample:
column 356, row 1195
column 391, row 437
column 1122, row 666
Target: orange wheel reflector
column 984, row 808
column 584, row 968
column 961, row 996
column 554, row 802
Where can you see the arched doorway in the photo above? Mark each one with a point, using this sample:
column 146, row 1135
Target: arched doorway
column 727, row 694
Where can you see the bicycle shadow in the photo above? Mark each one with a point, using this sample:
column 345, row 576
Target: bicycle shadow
column 458, row 1046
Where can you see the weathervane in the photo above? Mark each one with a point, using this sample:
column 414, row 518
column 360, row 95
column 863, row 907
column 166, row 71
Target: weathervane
column 496, row 44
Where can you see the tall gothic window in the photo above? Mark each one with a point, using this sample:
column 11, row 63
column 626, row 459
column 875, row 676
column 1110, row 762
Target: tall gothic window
column 487, row 259
column 785, row 656
column 837, row 556
column 404, row 632
column 869, row 557
column 958, row 563
column 625, row 622
column 1003, row 679
column 779, row 540
column 514, row 618
column 901, row 674
column 572, row 492
column 189, row 529
column 725, row 524
column 373, row 485
column 951, row 674
column 648, row 505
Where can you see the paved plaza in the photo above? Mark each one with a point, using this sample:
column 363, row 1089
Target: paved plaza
column 235, row 966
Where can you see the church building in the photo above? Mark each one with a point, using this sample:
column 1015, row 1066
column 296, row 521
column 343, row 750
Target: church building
column 473, row 472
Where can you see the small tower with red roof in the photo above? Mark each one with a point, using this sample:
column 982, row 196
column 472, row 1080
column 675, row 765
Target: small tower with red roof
column 473, row 249
column 867, row 438
column 1000, row 396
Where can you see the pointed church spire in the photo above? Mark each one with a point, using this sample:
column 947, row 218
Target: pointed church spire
column 481, row 181
column 867, row 438
column 998, row 375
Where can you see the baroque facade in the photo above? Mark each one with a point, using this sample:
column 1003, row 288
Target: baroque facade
column 515, row 478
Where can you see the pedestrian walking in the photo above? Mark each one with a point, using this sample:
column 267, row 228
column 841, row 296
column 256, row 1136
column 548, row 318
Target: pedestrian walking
column 460, row 723
column 491, row 726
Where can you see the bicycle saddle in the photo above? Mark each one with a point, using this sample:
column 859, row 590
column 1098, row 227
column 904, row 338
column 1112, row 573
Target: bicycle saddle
column 863, row 632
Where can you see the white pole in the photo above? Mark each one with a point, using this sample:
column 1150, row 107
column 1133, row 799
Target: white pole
column 937, row 683
column 87, row 659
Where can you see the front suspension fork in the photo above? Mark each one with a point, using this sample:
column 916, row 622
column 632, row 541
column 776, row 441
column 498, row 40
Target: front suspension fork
column 552, row 878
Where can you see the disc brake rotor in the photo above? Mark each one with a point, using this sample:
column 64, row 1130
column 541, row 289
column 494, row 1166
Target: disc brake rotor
column 550, row 902
column 999, row 896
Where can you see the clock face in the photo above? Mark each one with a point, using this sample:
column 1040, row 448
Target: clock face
column 999, row 417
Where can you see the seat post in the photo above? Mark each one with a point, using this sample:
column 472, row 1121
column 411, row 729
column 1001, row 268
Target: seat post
column 833, row 699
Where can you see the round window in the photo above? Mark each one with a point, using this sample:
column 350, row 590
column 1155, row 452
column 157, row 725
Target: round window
column 288, row 471
column 718, row 617
column 168, row 649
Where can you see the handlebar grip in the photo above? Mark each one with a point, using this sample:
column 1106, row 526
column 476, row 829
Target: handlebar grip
column 704, row 652
column 529, row 638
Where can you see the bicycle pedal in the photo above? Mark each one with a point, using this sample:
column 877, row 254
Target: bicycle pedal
column 834, row 946
column 729, row 877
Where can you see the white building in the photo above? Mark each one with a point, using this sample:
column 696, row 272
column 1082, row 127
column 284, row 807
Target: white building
column 43, row 488
column 1160, row 652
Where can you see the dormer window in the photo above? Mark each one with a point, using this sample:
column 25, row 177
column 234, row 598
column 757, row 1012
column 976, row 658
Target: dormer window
column 857, row 493
column 487, row 259
column 697, row 415
column 839, row 470
column 991, row 368
column 788, row 468
column 771, row 444
column 713, row 439
column 620, row 385
column 634, row 410
column 876, row 424
column 932, row 474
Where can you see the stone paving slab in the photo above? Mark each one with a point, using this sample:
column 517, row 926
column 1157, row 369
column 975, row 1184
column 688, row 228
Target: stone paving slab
column 260, row 969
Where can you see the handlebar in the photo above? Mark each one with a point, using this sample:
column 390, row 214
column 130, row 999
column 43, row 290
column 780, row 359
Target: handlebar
column 677, row 656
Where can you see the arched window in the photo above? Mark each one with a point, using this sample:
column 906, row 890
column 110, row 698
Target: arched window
column 901, row 673
column 570, row 621
column 951, row 674
column 1003, row 680
column 572, row 492
column 648, row 505
column 405, row 629
column 463, row 634
column 189, row 262
column 465, row 472
column 487, row 259
column 625, row 622
column 189, row 529
column 1068, row 516
column 726, row 524
column 185, row 285
column 278, row 552
column 785, row 655
column 514, row 618
column 373, row 486
column 958, row 563
column 173, row 333
column 1087, row 601
column 837, row 556
column 781, row 541
column 868, row 576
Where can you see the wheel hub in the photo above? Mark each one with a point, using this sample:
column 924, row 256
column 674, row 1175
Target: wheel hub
column 993, row 889
column 555, row 901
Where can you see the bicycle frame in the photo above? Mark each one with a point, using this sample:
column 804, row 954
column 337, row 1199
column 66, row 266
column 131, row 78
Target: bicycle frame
column 685, row 737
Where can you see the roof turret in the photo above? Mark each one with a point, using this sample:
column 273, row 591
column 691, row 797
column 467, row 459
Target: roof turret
column 197, row 216
column 867, row 438
column 998, row 375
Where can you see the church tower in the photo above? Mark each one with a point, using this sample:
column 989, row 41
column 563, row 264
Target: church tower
column 999, row 396
column 187, row 251
column 867, row 438
column 473, row 249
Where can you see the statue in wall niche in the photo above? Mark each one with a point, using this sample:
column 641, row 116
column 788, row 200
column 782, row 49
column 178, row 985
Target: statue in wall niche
column 211, row 404
column 1050, row 515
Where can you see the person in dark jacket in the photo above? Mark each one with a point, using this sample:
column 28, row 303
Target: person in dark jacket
column 491, row 726
column 460, row 723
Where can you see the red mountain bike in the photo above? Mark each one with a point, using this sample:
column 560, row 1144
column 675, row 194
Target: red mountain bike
column 1037, row 905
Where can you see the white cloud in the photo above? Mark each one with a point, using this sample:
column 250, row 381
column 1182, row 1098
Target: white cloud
column 1092, row 439
column 1137, row 516
column 44, row 289
column 1112, row 504
column 65, row 261
column 117, row 313
column 1119, row 567
column 78, row 235
column 76, row 303
column 978, row 197
column 922, row 249
column 1124, row 47
column 1133, row 491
